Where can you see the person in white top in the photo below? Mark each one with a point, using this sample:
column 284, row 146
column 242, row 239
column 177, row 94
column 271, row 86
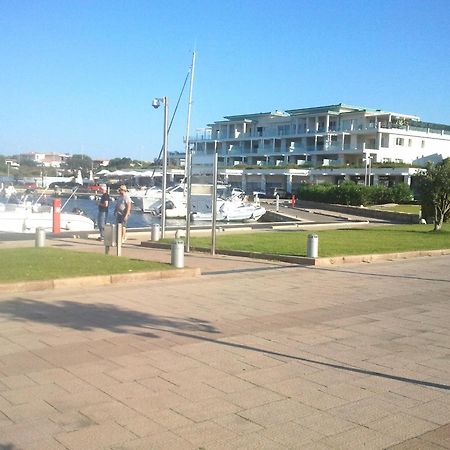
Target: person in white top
column 123, row 209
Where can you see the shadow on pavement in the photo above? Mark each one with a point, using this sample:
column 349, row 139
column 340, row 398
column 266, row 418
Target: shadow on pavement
column 84, row 317
column 314, row 361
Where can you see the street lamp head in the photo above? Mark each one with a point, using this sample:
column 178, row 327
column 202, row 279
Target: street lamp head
column 156, row 103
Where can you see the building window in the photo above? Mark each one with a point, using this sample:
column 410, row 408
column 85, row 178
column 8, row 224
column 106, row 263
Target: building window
column 409, row 142
column 399, row 141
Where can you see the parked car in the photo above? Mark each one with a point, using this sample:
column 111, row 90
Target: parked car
column 282, row 193
column 259, row 194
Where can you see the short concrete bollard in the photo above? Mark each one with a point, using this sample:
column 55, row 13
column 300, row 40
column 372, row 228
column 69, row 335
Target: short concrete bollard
column 177, row 255
column 40, row 237
column 156, row 233
column 312, row 247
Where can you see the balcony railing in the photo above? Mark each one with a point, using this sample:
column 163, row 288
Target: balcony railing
column 274, row 133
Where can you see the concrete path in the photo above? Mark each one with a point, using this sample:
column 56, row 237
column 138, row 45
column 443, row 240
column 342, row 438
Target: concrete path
column 252, row 355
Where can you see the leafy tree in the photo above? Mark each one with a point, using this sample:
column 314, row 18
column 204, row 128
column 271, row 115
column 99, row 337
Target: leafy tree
column 120, row 163
column 434, row 189
column 76, row 162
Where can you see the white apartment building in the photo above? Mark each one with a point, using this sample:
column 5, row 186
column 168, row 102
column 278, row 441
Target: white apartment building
column 46, row 159
column 321, row 144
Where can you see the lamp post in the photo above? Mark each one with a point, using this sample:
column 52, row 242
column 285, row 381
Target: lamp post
column 156, row 103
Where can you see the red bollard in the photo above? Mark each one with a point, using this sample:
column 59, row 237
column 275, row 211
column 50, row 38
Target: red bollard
column 293, row 201
column 56, row 215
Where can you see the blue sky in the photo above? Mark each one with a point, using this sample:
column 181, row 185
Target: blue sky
column 79, row 76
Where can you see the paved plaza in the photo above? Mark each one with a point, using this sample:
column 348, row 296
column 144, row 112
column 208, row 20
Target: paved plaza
column 251, row 355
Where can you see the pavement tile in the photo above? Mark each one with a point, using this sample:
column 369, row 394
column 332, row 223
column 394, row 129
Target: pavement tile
column 107, row 411
column 27, row 431
column 30, row 409
column 42, row 391
column 238, row 424
column 433, row 411
column 169, row 418
column 416, row 444
column 140, row 425
column 253, row 441
column 440, row 436
column 206, row 409
column 276, row 412
column 360, row 437
column 401, row 425
column 47, row 444
column 95, row 437
column 363, row 411
column 21, row 363
column 134, row 372
column 325, row 424
column 201, row 434
column 291, row 434
column 195, row 359
column 229, row 383
column 251, row 398
column 17, row 381
column 70, row 402
column 197, row 391
column 160, row 441
column 70, row 421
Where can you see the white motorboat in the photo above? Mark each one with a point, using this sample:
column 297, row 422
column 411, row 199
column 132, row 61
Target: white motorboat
column 145, row 199
column 27, row 217
column 175, row 194
column 231, row 210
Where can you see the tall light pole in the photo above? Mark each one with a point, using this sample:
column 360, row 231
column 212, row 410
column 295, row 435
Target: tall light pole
column 156, row 103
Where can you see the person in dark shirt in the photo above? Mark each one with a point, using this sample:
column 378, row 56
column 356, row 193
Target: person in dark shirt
column 103, row 205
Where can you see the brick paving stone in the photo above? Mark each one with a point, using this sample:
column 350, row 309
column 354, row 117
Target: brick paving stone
column 238, row 424
column 201, row 434
column 251, row 398
column 257, row 364
column 291, row 434
column 325, row 424
column 363, row 411
column 95, row 437
column 434, row 411
column 415, row 444
column 360, row 437
column 276, row 412
column 140, row 425
column 161, row 441
column 206, row 409
column 401, row 425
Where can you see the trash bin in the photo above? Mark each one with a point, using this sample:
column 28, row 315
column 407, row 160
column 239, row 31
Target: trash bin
column 312, row 248
column 110, row 235
column 177, row 256
column 156, row 232
column 40, row 237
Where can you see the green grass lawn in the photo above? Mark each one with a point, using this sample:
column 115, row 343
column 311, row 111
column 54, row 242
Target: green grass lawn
column 26, row 264
column 412, row 209
column 380, row 239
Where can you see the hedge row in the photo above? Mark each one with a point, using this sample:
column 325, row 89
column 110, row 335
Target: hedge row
column 355, row 194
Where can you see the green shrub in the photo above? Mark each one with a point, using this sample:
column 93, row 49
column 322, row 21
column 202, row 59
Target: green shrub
column 353, row 194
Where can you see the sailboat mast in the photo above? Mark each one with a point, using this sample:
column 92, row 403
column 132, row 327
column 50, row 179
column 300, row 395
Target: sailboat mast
column 188, row 163
column 188, row 124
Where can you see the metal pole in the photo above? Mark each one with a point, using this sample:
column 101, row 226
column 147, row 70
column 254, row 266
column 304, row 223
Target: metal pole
column 214, row 203
column 164, row 174
column 188, row 162
column 188, row 201
column 188, row 122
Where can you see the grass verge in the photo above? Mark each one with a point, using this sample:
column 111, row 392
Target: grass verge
column 411, row 209
column 31, row 264
column 357, row 241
